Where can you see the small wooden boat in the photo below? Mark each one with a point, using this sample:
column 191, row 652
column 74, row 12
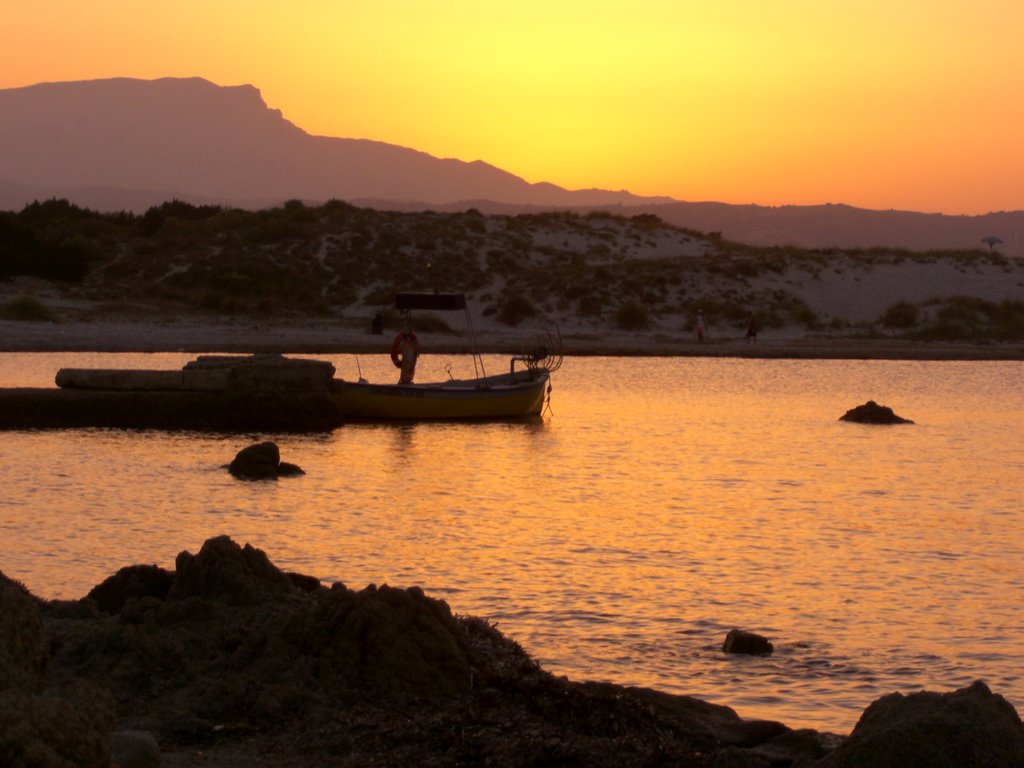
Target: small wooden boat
column 517, row 393
column 505, row 396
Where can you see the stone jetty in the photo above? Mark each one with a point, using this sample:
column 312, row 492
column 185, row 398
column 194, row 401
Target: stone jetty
column 231, row 393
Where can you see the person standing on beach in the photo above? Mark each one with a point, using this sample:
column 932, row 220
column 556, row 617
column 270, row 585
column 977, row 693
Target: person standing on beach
column 752, row 328
column 700, row 326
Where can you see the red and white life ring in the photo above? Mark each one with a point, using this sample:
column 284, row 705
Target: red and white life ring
column 396, row 347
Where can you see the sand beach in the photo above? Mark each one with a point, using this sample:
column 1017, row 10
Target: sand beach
column 330, row 336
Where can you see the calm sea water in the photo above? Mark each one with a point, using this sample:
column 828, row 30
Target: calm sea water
column 661, row 503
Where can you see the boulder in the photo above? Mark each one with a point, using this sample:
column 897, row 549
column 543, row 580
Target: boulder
column 256, row 462
column 873, row 413
column 262, row 461
column 968, row 727
column 741, row 641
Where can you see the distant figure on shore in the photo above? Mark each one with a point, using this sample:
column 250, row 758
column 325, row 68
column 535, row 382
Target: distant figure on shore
column 752, row 328
column 404, row 351
column 700, row 326
column 377, row 324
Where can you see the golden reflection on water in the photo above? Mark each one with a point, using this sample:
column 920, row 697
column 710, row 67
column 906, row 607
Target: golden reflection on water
column 665, row 502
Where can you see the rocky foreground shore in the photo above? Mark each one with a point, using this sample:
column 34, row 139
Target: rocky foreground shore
column 229, row 661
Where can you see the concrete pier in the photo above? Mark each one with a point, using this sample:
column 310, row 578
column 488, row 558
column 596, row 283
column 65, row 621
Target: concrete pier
column 280, row 411
column 230, row 393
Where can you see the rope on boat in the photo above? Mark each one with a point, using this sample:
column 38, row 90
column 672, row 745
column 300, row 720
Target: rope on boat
column 479, row 372
column 547, row 403
column 546, row 351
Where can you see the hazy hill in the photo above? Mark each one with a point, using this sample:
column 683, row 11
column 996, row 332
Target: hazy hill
column 802, row 226
column 132, row 143
column 829, row 226
column 124, row 144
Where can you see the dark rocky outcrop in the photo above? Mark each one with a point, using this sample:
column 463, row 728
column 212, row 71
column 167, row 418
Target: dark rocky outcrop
column 262, row 461
column 873, row 413
column 227, row 573
column 236, row 641
column 240, row 656
column 968, row 727
column 386, row 639
column 741, row 641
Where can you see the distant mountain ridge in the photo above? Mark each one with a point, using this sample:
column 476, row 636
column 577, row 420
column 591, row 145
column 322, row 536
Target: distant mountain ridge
column 127, row 144
column 194, row 140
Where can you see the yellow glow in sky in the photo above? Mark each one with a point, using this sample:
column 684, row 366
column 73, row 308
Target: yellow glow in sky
column 916, row 104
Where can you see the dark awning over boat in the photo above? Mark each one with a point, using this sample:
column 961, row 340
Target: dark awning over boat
column 435, row 301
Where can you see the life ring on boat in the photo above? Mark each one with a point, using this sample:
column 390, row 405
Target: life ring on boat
column 396, row 347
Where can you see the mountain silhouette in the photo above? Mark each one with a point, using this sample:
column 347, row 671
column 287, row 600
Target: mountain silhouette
column 197, row 141
column 128, row 144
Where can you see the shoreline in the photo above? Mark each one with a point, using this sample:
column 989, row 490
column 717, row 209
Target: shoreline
column 314, row 336
column 228, row 660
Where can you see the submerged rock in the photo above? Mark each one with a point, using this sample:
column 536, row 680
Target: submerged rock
column 741, row 641
column 284, row 469
column 968, row 727
column 873, row 413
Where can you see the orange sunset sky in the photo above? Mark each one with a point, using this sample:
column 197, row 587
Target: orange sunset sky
column 907, row 104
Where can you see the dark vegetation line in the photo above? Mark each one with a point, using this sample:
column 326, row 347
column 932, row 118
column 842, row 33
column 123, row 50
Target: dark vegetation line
column 339, row 260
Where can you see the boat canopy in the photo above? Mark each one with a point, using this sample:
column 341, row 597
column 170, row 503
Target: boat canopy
column 430, row 301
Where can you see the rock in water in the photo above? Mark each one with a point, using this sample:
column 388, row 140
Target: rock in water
column 262, row 461
column 873, row 413
column 741, row 641
column 969, row 727
column 256, row 462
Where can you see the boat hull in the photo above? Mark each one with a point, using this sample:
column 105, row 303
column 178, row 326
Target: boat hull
column 496, row 397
